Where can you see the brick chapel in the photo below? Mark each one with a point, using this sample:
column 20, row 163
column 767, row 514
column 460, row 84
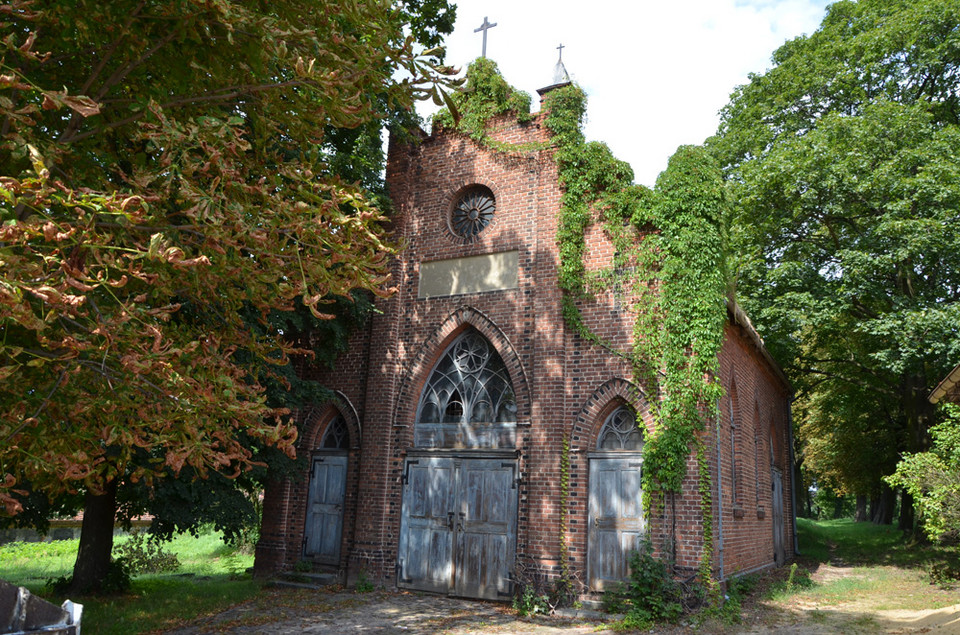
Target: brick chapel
column 437, row 467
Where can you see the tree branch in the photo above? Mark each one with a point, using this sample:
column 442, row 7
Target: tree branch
column 184, row 101
column 40, row 409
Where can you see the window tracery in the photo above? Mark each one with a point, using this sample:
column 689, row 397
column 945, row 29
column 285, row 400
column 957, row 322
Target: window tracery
column 468, row 401
column 620, row 431
column 337, row 436
column 472, row 212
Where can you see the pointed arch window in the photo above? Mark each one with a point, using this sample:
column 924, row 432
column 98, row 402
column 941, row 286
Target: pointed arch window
column 620, row 431
column 734, row 414
column 468, row 401
column 337, row 437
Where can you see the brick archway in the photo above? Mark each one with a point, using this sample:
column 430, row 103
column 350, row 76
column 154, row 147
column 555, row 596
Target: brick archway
column 317, row 417
column 606, row 398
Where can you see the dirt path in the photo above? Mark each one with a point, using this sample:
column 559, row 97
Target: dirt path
column 289, row 612
column 284, row 612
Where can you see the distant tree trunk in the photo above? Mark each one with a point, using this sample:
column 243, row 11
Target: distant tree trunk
column 96, row 540
column 906, row 512
column 882, row 511
column 838, row 502
column 860, row 515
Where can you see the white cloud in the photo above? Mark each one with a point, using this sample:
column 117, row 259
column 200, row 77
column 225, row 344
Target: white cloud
column 656, row 73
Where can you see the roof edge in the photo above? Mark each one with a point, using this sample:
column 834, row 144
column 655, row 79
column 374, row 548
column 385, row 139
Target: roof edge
column 739, row 317
column 947, row 386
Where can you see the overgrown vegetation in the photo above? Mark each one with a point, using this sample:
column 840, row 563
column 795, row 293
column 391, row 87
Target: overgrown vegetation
column 933, row 479
column 651, row 594
column 671, row 241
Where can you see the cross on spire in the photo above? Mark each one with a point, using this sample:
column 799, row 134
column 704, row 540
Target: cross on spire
column 486, row 26
column 560, row 48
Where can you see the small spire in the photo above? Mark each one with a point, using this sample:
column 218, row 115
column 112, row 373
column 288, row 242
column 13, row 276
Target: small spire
column 560, row 75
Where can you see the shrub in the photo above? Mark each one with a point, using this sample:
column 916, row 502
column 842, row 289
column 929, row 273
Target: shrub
column 528, row 602
column 142, row 555
column 651, row 595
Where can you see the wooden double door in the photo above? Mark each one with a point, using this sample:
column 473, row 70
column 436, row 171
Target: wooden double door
column 458, row 525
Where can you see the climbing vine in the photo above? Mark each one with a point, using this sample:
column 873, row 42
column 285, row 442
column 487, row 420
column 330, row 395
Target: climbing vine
column 669, row 264
column 671, row 240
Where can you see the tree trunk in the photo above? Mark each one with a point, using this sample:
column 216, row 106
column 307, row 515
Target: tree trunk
column 883, row 510
column 860, row 515
column 906, row 512
column 96, row 540
column 838, row 502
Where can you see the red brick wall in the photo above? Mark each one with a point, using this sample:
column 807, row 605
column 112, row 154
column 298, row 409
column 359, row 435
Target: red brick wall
column 565, row 386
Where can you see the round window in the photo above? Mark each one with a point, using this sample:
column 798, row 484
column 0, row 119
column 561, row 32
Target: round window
column 472, row 212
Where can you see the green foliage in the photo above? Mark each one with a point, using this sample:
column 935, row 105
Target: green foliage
column 141, row 555
column 674, row 239
column 364, row 584
column 842, row 161
column 527, row 602
column 138, row 141
column 651, row 595
column 486, row 95
column 933, row 479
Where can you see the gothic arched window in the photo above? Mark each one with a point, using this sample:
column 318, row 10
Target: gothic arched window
column 337, row 437
column 620, row 431
column 468, row 400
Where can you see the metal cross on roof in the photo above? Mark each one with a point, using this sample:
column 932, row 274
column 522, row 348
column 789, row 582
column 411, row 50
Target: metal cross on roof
column 560, row 48
column 484, row 27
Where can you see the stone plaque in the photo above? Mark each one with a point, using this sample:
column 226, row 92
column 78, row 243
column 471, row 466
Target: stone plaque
column 473, row 274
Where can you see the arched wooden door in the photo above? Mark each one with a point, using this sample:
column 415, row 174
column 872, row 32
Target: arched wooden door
column 325, row 498
column 615, row 515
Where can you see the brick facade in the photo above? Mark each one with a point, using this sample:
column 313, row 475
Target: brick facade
column 564, row 386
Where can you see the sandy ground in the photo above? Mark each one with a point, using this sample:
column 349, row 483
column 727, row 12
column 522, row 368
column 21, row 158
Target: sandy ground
column 331, row 612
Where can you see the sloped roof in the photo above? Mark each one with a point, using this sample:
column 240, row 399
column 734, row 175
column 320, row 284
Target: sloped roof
column 948, row 389
column 739, row 317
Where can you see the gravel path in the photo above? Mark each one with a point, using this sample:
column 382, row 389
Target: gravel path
column 332, row 612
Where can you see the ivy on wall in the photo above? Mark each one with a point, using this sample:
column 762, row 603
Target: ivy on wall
column 670, row 262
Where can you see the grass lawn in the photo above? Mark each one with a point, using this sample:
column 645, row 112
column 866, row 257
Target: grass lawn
column 211, row 578
column 861, row 577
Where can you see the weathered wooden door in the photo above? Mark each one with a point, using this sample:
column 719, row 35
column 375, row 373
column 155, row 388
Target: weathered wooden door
column 328, row 482
column 615, row 518
column 486, row 529
column 426, row 527
column 776, row 480
column 458, row 526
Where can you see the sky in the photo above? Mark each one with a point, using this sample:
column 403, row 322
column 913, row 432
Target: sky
column 656, row 73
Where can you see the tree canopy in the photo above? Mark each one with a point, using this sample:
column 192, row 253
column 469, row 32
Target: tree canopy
column 172, row 172
column 842, row 159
